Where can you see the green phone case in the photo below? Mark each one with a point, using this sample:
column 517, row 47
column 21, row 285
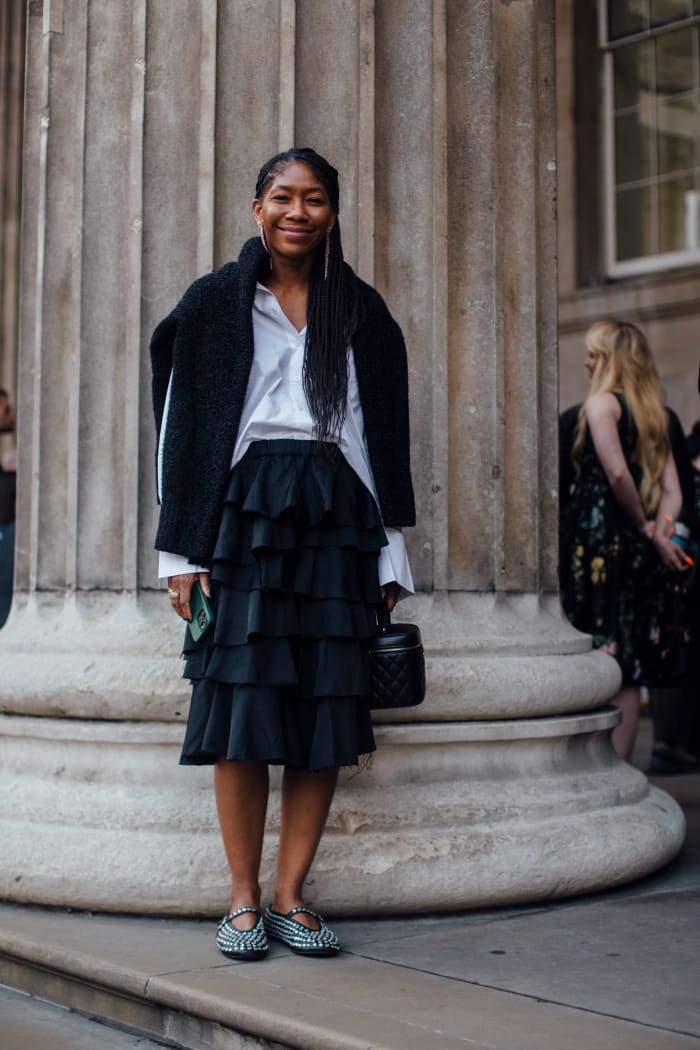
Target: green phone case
column 202, row 615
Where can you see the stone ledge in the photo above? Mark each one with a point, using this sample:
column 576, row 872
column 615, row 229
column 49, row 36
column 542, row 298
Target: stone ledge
column 114, row 656
column 147, row 734
column 166, row 979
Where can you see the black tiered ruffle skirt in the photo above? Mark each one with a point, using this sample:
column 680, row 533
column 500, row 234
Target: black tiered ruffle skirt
column 284, row 675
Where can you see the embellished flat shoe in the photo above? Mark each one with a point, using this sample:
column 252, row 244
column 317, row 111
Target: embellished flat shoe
column 242, row 944
column 301, row 939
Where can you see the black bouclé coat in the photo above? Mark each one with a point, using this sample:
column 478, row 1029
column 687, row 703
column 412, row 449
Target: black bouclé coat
column 207, row 343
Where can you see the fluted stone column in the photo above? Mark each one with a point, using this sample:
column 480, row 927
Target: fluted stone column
column 147, row 121
column 12, row 19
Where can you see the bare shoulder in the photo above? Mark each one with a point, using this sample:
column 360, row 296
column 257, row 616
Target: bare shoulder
column 603, row 406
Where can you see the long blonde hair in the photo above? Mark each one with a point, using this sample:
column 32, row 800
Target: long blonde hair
column 623, row 362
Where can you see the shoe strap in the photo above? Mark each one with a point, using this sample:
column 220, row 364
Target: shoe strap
column 242, row 911
column 307, row 911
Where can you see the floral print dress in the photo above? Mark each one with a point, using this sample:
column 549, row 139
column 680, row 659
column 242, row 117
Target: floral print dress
column 614, row 584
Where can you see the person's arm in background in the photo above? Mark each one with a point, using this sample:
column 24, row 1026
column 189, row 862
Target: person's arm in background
column 603, row 414
column 671, row 498
column 669, row 508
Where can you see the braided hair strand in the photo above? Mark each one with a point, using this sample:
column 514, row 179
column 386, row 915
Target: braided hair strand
column 332, row 312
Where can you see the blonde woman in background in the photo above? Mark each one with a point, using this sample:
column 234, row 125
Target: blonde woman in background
column 617, row 554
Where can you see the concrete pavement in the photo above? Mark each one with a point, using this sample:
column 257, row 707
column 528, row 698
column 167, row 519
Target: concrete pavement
column 29, row 1024
column 614, row 971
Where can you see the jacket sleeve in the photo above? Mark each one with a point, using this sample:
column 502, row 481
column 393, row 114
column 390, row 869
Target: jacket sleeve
column 382, row 373
column 402, row 436
column 161, row 348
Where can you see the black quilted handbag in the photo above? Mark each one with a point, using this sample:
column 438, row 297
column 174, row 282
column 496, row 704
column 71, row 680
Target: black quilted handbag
column 396, row 664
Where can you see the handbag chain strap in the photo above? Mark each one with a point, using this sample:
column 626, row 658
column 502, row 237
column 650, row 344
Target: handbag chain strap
column 383, row 618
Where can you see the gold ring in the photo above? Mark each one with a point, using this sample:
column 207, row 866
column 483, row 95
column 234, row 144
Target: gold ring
column 172, row 593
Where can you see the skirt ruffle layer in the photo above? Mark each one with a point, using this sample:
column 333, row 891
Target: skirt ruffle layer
column 284, row 677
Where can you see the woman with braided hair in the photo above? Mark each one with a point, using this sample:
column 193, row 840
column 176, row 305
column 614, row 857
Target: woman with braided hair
column 281, row 404
column 616, row 549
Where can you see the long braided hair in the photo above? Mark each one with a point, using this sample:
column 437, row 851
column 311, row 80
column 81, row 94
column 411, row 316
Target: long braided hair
column 333, row 311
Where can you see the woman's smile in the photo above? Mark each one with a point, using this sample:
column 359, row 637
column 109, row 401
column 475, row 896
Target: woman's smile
column 295, row 231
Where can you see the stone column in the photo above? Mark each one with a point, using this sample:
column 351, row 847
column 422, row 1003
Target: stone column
column 12, row 19
column 146, row 123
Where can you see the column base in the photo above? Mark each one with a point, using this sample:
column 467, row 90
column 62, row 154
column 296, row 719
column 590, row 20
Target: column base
column 98, row 815
column 115, row 656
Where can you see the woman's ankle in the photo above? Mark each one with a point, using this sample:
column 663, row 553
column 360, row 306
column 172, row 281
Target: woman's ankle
column 285, row 900
column 287, row 897
column 245, row 896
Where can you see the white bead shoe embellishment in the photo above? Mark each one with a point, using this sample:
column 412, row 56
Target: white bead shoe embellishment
column 242, row 944
column 301, row 939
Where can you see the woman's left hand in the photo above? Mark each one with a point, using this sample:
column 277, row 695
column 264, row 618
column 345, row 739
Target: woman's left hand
column 391, row 595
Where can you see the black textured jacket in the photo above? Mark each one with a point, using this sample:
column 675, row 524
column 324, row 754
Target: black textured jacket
column 207, row 343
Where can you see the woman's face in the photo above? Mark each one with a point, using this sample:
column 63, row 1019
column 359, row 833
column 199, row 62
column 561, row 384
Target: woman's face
column 590, row 363
column 295, row 212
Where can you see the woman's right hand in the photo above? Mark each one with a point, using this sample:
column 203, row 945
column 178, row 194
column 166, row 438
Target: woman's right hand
column 673, row 556
column 180, row 588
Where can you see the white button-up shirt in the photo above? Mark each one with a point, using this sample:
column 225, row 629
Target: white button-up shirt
column 276, row 407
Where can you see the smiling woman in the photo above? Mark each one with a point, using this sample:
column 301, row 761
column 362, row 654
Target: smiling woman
column 281, row 402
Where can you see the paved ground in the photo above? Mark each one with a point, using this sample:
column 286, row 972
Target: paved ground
column 29, row 1024
column 614, row 971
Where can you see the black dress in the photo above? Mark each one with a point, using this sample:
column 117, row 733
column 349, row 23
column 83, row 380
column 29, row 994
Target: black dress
column 284, row 677
column 614, row 585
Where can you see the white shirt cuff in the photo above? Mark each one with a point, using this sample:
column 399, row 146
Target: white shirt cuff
column 175, row 565
column 393, row 563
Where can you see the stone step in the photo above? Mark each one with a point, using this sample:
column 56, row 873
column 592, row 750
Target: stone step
column 165, row 979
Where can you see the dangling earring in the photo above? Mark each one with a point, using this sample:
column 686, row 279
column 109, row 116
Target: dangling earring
column 264, row 241
column 327, row 253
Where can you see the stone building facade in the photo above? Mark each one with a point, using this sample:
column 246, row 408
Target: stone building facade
column 628, row 116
